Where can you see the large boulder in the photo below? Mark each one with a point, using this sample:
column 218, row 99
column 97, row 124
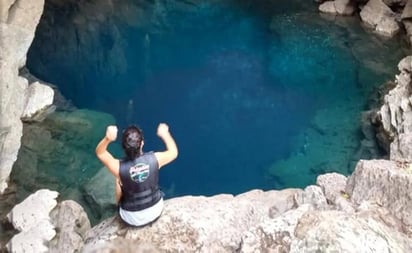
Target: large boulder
column 31, row 218
column 386, row 183
column 46, row 226
column 395, row 115
column 341, row 7
column 39, row 98
column 379, row 16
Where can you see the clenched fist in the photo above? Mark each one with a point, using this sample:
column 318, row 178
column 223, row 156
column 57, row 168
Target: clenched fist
column 162, row 130
column 111, row 133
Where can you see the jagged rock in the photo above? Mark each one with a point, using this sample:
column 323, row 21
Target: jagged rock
column 405, row 64
column 39, row 98
column 31, row 218
column 379, row 16
column 407, row 11
column 33, row 209
column 214, row 224
column 387, row 183
column 285, row 200
column 71, row 223
column 18, row 23
column 328, row 7
column 332, row 184
column 32, row 240
column 396, row 115
column 274, row 235
column 333, row 231
column 341, row 7
column 314, row 196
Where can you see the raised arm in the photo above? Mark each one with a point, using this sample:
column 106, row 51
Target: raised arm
column 104, row 156
column 171, row 151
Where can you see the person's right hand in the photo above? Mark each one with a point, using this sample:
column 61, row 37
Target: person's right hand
column 162, row 129
column 111, row 133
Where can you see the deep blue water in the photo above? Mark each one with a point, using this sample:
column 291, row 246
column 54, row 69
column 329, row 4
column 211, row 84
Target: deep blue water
column 236, row 83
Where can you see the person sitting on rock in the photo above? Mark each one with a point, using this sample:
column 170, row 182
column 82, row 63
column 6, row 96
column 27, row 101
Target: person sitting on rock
column 137, row 176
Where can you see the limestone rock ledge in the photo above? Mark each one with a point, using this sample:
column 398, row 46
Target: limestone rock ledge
column 18, row 22
column 395, row 116
column 290, row 220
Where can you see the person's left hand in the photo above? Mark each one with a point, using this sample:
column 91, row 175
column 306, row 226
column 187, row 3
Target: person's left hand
column 111, row 133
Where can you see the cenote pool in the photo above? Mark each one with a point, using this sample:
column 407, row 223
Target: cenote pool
column 257, row 95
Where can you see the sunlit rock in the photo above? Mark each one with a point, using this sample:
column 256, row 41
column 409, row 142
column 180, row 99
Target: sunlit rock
column 33, row 209
column 33, row 239
column 39, row 98
column 386, row 183
column 31, row 218
column 214, row 224
column 46, row 226
column 379, row 16
column 395, row 115
column 341, row 7
column 333, row 231
column 332, row 184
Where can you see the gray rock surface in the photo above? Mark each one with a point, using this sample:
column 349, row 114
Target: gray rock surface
column 210, row 224
column 379, row 16
column 332, row 184
column 205, row 224
column 17, row 27
column 31, row 218
column 407, row 11
column 46, row 226
column 33, row 209
column 395, row 115
column 386, row 183
column 39, row 98
column 341, row 7
column 333, row 231
column 71, row 224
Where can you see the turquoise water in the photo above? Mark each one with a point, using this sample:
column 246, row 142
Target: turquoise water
column 264, row 95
